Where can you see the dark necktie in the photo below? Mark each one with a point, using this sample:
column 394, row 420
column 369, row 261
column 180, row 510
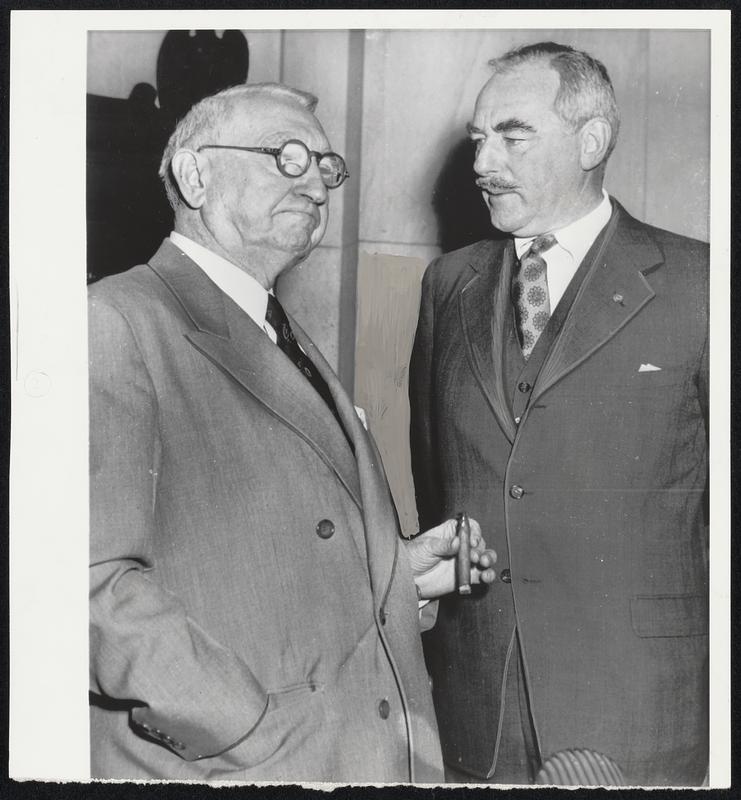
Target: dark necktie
column 530, row 294
column 276, row 317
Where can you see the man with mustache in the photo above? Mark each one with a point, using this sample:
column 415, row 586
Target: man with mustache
column 559, row 394
column 253, row 609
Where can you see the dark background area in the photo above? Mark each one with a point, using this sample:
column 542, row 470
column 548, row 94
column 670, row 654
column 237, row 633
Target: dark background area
column 127, row 211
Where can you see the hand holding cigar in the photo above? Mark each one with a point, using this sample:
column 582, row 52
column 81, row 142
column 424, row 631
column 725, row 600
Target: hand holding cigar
column 452, row 556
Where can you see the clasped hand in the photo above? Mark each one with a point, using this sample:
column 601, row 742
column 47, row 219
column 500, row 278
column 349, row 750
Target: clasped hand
column 432, row 558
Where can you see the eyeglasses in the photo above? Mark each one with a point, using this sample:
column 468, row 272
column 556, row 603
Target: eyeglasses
column 293, row 159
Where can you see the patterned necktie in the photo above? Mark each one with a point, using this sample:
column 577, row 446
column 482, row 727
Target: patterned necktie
column 530, row 294
column 276, row 317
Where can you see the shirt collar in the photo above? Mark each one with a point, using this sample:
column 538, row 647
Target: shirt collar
column 248, row 293
column 577, row 237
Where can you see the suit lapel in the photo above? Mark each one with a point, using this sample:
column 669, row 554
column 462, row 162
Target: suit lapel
column 614, row 290
column 483, row 311
column 379, row 512
column 232, row 341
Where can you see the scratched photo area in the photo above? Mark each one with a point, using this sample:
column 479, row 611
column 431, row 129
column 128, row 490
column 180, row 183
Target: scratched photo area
column 398, row 346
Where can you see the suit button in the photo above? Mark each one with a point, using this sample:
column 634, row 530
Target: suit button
column 516, row 491
column 524, row 387
column 505, row 576
column 384, row 709
column 325, row 528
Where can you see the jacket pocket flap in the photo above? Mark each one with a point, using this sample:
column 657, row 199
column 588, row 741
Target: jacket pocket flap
column 669, row 615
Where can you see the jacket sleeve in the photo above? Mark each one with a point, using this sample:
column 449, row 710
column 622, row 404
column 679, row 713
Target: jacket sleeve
column 427, row 485
column 184, row 688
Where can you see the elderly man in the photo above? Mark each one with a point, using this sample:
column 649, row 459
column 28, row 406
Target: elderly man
column 559, row 394
column 253, row 609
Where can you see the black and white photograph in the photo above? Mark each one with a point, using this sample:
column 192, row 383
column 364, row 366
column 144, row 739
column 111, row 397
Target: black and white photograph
column 362, row 379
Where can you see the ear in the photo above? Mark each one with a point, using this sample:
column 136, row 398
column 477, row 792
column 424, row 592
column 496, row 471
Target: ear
column 595, row 137
column 188, row 172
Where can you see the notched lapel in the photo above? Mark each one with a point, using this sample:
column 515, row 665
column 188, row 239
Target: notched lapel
column 613, row 292
column 269, row 375
column 200, row 298
column 483, row 311
column 232, row 341
column 379, row 512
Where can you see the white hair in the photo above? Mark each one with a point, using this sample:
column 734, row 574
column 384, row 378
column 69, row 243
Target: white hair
column 585, row 89
column 204, row 119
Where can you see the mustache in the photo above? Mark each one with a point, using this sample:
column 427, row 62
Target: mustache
column 493, row 185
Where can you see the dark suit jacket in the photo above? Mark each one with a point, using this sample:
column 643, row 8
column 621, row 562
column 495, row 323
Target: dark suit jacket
column 229, row 639
column 607, row 544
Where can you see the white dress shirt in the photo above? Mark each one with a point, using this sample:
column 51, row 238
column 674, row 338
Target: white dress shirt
column 573, row 241
column 248, row 293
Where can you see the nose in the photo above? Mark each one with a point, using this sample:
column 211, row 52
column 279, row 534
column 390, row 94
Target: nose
column 311, row 184
column 490, row 157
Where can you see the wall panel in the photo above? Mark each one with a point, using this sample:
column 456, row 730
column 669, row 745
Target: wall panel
column 311, row 293
column 329, row 64
column 388, row 292
column 678, row 132
column 117, row 60
column 316, row 61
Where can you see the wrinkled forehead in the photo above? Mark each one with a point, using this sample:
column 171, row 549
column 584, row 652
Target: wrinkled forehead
column 268, row 122
column 527, row 88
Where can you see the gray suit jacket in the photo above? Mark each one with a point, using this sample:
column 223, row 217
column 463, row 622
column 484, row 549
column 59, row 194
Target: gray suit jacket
column 229, row 640
column 594, row 504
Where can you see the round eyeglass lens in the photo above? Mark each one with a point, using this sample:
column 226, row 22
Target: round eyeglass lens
column 332, row 169
column 294, row 159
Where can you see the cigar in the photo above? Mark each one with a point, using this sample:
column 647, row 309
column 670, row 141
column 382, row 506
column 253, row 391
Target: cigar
column 463, row 558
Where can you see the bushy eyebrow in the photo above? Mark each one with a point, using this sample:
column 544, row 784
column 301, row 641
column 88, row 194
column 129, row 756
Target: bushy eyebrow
column 276, row 138
column 513, row 124
column 506, row 126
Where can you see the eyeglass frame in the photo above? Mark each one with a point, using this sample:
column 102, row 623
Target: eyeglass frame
column 276, row 151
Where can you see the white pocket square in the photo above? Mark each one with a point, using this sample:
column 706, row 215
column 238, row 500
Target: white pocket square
column 648, row 368
column 361, row 413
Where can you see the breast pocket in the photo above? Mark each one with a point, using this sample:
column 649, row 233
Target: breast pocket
column 645, row 388
column 627, row 421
